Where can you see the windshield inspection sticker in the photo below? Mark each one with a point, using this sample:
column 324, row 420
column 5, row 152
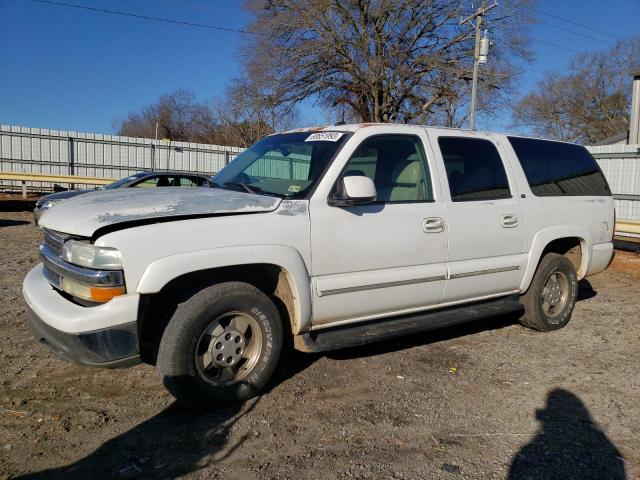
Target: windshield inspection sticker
column 324, row 137
column 294, row 188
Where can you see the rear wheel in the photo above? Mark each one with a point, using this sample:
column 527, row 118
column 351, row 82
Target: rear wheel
column 221, row 346
column 549, row 302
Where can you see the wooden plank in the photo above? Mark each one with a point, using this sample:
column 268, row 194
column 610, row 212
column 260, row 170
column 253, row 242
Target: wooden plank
column 41, row 177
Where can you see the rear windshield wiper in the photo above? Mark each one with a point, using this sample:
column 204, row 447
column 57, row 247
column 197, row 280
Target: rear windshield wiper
column 248, row 188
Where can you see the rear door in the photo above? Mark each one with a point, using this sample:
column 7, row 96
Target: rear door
column 485, row 222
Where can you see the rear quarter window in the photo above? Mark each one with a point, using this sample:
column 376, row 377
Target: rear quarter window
column 559, row 169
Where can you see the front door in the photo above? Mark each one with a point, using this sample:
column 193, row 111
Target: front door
column 387, row 257
column 486, row 225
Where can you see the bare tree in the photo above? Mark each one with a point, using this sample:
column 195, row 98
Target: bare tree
column 384, row 60
column 588, row 104
column 239, row 118
column 251, row 108
column 178, row 116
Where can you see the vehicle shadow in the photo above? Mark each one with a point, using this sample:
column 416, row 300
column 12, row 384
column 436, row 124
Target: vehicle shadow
column 585, row 290
column 179, row 440
column 12, row 223
column 426, row 338
column 176, row 442
column 569, row 445
column 171, row 444
column 17, row 205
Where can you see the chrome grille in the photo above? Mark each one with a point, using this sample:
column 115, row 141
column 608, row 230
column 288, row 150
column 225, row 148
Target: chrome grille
column 54, row 240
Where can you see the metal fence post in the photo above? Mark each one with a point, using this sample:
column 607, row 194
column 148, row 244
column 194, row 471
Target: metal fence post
column 227, row 157
column 153, row 157
column 71, row 153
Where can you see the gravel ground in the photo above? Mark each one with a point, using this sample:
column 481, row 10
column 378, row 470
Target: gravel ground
column 487, row 400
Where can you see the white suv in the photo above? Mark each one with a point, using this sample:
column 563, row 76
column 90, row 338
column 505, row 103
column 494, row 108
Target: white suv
column 329, row 237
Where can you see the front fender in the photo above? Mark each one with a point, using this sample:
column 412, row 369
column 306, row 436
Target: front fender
column 160, row 272
column 546, row 236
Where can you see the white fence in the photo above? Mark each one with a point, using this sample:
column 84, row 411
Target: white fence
column 40, row 150
column 621, row 165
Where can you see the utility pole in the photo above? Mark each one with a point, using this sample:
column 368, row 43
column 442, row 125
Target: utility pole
column 478, row 16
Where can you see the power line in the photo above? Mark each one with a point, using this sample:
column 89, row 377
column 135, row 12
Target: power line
column 226, row 29
column 577, row 23
column 199, row 7
column 556, row 45
column 577, row 33
column 146, row 17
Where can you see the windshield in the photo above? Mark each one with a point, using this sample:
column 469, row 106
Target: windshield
column 284, row 165
column 124, row 181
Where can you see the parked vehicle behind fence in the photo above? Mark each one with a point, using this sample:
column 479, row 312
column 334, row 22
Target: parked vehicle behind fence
column 138, row 180
column 328, row 238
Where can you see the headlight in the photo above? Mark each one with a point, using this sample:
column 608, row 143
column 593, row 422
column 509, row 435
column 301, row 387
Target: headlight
column 46, row 204
column 87, row 255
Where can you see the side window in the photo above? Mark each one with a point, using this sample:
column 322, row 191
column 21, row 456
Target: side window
column 555, row 168
column 474, row 169
column 187, row 182
column 150, row 182
column 397, row 166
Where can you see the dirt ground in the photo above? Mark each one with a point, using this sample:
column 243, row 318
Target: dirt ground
column 491, row 400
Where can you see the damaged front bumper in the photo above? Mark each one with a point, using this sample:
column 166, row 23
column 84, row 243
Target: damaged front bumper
column 101, row 336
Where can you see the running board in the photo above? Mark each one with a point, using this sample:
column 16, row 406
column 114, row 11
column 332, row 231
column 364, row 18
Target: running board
column 373, row 331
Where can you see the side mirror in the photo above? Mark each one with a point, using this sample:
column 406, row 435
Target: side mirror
column 353, row 190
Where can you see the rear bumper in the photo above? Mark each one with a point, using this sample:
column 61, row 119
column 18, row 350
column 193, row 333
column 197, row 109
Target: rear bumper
column 100, row 336
column 601, row 257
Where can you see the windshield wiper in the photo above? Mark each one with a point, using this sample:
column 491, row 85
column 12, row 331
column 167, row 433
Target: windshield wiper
column 248, row 188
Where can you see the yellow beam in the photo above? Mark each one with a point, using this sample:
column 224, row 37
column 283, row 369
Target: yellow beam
column 42, row 177
column 627, row 226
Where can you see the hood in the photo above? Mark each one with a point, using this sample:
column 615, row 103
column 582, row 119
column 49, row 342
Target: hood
column 86, row 214
column 62, row 195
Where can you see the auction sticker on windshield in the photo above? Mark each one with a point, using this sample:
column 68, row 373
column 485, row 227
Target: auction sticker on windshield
column 324, row 137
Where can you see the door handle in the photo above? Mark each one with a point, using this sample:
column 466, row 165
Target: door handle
column 433, row 225
column 509, row 221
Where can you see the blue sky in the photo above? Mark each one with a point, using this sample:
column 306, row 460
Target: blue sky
column 70, row 69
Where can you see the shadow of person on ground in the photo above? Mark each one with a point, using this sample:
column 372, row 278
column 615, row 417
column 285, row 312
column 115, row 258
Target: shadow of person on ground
column 569, row 445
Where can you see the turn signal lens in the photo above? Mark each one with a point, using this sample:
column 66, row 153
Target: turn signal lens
column 104, row 294
column 91, row 293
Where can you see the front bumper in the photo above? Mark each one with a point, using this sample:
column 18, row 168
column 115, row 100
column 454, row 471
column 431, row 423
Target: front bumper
column 101, row 336
column 37, row 213
column 107, row 348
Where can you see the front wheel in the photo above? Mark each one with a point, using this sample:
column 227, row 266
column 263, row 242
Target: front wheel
column 549, row 302
column 221, row 346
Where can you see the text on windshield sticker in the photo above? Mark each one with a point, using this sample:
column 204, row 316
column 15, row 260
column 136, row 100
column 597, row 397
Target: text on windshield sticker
column 324, row 137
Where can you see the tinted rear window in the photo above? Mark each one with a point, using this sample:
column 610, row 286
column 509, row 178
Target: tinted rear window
column 474, row 169
column 556, row 169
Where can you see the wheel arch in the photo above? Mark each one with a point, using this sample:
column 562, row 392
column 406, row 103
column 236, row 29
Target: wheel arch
column 571, row 242
column 279, row 272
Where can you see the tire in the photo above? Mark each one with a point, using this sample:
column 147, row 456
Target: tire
column 193, row 339
column 553, row 316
